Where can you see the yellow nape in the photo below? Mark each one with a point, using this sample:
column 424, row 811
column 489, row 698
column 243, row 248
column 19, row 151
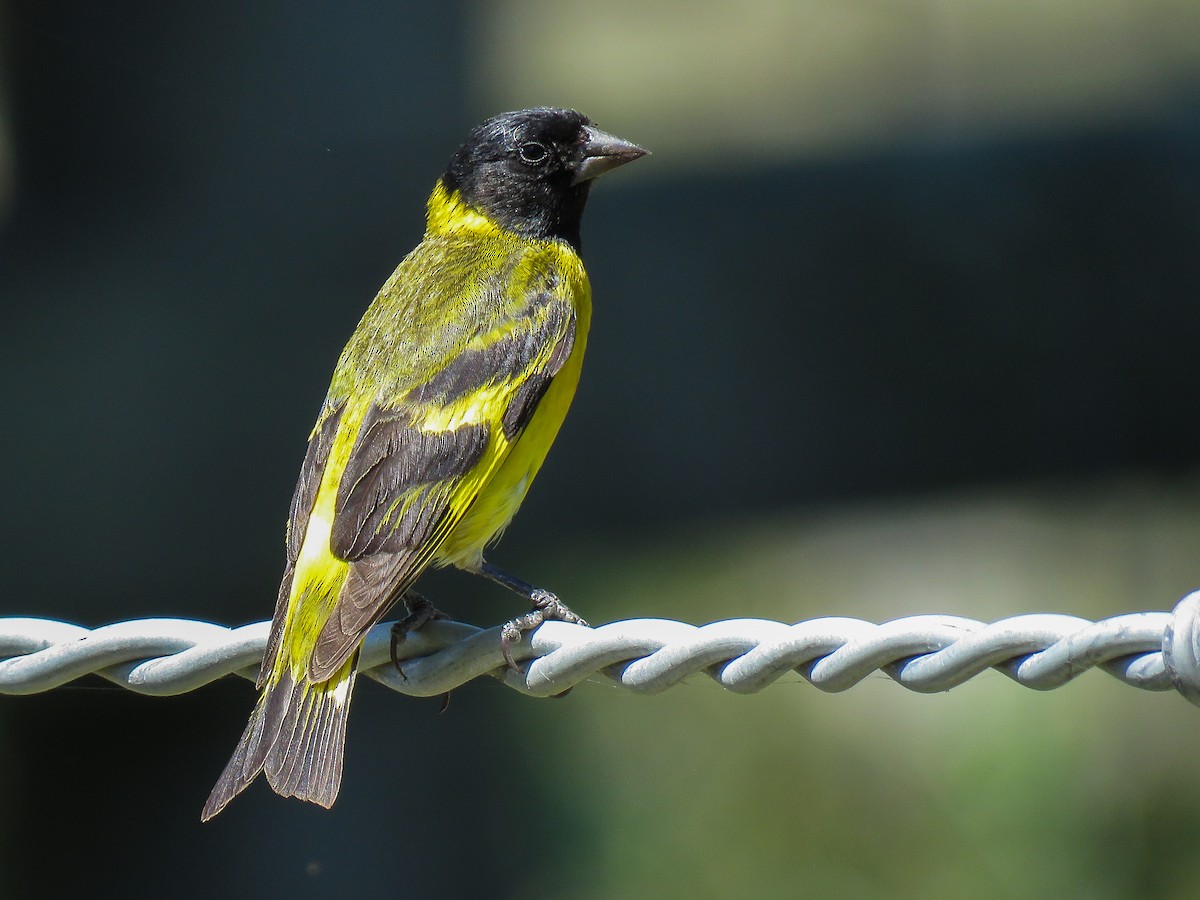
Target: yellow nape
column 446, row 212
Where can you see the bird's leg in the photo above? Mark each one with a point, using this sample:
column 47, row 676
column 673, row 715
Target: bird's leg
column 420, row 611
column 546, row 607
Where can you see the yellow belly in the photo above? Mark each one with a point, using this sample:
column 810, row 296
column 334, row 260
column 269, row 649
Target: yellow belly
column 501, row 497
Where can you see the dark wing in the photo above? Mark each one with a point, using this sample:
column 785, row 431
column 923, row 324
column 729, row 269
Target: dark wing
column 406, row 483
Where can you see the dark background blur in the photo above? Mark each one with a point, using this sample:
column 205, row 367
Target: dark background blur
column 901, row 316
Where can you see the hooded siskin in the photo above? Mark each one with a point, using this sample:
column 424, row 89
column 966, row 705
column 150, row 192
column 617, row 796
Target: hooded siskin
column 441, row 410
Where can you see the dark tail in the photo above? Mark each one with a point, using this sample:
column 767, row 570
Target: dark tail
column 296, row 734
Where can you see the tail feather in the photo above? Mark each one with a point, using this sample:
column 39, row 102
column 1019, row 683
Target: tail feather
column 296, row 735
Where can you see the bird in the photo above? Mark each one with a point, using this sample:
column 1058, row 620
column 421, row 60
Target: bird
column 439, row 414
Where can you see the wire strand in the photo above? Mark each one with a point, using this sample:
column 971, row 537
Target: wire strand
column 1154, row 651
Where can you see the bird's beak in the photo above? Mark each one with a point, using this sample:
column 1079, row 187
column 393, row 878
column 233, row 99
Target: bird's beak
column 602, row 153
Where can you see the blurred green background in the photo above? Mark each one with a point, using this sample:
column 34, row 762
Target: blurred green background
column 900, row 317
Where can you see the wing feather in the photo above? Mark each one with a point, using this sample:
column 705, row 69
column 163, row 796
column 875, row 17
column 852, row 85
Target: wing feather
column 409, row 478
column 385, row 494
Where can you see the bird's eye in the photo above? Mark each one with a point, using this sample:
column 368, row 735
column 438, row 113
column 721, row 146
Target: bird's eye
column 532, row 153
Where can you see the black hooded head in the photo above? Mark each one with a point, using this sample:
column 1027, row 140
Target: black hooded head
column 530, row 170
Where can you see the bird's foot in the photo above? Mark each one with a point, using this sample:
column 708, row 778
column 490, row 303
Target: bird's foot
column 420, row 611
column 546, row 608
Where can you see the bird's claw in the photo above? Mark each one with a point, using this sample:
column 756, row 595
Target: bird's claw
column 420, row 611
column 546, row 608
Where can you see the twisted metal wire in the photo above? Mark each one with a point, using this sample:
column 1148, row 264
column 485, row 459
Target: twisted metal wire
column 1154, row 651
